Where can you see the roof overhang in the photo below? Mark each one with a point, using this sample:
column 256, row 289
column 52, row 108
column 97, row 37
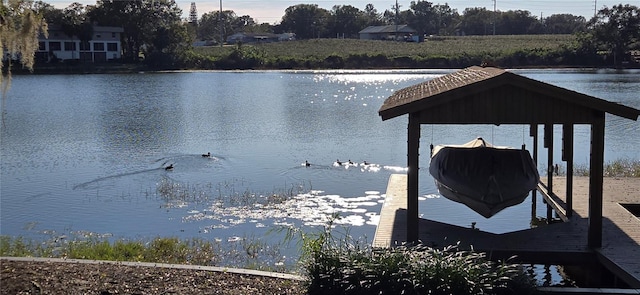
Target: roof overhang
column 484, row 95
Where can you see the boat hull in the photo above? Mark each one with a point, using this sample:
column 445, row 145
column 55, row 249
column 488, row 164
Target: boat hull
column 486, row 179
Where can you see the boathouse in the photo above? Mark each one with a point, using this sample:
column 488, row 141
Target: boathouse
column 486, row 95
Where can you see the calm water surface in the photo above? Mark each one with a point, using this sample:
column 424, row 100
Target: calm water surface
column 86, row 153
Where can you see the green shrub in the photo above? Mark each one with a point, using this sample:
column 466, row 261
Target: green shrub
column 283, row 63
column 344, row 266
column 242, row 57
column 334, row 61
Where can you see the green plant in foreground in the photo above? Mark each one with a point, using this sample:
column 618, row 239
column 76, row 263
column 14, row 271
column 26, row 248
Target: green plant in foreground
column 343, row 266
column 15, row 247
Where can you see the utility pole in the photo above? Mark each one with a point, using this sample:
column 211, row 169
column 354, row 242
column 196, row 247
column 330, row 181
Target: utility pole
column 494, row 17
column 595, row 8
column 397, row 16
column 221, row 26
column 193, row 14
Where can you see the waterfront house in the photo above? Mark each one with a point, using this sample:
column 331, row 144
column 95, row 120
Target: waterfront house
column 259, row 37
column 391, row 32
column 105, row 45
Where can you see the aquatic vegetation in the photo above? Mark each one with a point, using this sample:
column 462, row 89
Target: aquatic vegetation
column 232, row 203
column 245, row 252
column 229, row 193
column 222, row 206
column 175, row 193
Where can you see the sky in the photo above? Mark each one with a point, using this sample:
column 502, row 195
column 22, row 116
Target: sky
column 271, row 11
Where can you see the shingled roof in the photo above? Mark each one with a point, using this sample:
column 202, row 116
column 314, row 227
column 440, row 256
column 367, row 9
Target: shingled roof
column 387, row 29
column 485, row 95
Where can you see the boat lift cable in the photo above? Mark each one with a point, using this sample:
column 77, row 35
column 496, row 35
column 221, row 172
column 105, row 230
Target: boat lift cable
column 492, row 140
column 431, row 144
column 524, row 146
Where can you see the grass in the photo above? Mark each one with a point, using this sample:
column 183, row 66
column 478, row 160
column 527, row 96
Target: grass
column 444, row 46
column 162, row 250
column 249, row 252
column 443, row 52
column 617, row 168
column 332, row 263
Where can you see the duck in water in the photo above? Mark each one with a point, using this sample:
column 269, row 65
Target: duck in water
column 306, row 163
column 170, row 167
column 207, row 155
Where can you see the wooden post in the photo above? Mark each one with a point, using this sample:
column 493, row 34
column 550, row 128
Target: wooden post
column 548, row 142
column 596, row 167
column 413, row 155
column 533, row 131
column 567, row 155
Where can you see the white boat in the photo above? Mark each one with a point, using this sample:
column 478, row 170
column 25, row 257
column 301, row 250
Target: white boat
column 484, row 177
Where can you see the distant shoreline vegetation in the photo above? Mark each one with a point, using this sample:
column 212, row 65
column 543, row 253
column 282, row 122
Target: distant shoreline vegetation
column 617, row 168
column 505, row 51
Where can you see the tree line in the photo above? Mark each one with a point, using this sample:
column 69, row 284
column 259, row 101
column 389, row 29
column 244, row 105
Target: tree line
column 426, row 18
column 154, row 28
column 311, row 21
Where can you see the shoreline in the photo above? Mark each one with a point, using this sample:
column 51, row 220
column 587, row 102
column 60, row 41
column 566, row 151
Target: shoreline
column 57, row 275
column 137, row 68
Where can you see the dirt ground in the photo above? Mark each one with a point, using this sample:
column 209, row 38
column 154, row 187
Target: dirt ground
column 39, row 277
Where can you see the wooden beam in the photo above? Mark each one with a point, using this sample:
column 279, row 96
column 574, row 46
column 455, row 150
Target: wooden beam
column 413, row 155
column 567, row 155
column 554, row 201
column 533, row 131
column 548, row 142
column 596, row 173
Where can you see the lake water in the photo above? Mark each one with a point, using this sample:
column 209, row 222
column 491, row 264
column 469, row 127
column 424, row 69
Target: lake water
column 85, row 154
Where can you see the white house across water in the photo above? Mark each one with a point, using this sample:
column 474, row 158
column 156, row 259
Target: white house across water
column 105, row 45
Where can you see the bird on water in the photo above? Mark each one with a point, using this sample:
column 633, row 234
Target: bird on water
column 170, row 167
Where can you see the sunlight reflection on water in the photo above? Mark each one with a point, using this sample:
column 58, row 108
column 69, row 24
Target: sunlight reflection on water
column 90, row 154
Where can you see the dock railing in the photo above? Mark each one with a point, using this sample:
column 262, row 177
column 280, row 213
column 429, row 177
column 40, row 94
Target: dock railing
column 554, row 201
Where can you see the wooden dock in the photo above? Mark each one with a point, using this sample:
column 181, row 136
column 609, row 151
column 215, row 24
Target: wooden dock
column 563, row 243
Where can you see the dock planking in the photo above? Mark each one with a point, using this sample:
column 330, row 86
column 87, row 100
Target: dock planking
column 620, row 251
column 557, row 243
